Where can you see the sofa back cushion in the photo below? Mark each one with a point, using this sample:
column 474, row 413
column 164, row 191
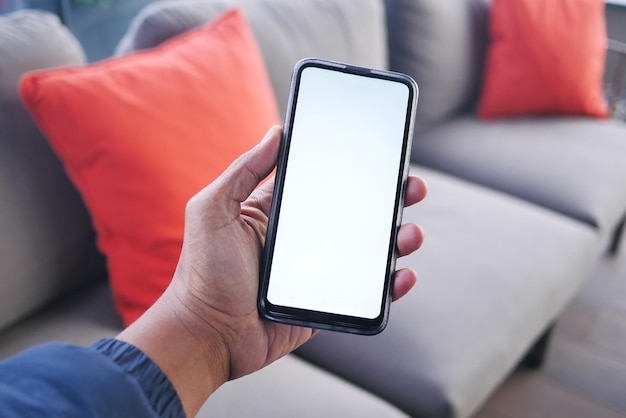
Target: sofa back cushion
column 46, row 240
column 345, row 30
column 141, row 134
column 441, row 44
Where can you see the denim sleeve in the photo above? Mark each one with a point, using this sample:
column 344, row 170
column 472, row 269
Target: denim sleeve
column 108, row 379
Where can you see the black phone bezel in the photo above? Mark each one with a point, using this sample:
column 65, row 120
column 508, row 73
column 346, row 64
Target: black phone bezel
column 324, row 320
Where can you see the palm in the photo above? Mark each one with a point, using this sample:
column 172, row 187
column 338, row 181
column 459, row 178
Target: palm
column 206, row 327
column 225, row 279
column 224, row 235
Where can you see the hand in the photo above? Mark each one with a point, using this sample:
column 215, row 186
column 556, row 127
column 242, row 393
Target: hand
column 214, row 290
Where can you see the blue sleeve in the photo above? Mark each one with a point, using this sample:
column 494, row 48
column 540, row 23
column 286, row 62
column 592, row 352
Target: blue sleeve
column 108, row 379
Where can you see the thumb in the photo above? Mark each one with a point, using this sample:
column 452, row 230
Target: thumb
column 246, row 172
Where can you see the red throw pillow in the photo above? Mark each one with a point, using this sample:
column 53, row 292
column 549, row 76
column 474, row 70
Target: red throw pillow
column 139, row 135
column 545, row 57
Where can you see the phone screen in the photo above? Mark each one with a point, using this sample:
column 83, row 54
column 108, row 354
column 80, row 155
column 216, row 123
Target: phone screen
column 343, row 166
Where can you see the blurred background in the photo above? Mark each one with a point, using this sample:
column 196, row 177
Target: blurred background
column 100, row 24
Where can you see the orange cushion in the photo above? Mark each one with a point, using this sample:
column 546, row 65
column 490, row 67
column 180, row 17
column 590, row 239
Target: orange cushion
column 139, row 135
column 545, row 57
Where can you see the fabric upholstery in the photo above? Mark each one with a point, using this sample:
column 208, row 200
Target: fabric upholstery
column 575, row 166
column 545, row 58
column 443, row 352
column 440, row 44
column 82, row 317
column 46, row 241
column 287, row 388
column 494, row 272
column 352, row 31
column 291, row 387
column 141, row 134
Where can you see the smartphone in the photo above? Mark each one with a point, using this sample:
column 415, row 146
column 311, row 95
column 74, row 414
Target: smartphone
column 329, row 256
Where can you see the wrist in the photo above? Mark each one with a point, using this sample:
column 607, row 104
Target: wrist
column 187, row 348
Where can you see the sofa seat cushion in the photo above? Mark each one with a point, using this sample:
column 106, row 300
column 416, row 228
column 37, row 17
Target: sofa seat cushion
column 494, row 272
column 81, row 317
column 286, row 30
column 576, row 166
column 289, row 387
column 46, row 241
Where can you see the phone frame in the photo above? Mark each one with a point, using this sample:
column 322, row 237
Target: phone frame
column 324, row 320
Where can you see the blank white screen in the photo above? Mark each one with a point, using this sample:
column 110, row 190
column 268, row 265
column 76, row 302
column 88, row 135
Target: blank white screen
column 336, row 217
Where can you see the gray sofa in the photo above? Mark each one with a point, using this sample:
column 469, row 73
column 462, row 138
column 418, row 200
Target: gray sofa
column 519, row 212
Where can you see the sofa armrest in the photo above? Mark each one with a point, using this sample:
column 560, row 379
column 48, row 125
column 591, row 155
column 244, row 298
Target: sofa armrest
column 47, row 245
